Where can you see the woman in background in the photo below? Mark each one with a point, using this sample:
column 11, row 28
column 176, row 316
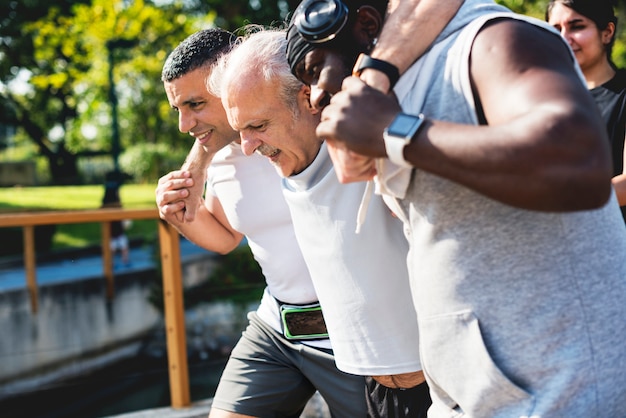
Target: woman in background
column 589, row 26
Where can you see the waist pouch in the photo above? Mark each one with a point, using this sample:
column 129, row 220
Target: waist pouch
column 303, row 322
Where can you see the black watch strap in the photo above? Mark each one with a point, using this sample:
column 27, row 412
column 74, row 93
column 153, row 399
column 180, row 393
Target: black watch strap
column 365, row 61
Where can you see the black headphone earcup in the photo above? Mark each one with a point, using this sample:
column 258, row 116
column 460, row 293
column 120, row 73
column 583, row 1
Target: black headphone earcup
column 320, row 20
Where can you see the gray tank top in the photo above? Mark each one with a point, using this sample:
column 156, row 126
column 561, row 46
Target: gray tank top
column 516, row 308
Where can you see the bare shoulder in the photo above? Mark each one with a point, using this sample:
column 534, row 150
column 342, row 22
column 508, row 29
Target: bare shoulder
column 519, row 41
column 514, row 61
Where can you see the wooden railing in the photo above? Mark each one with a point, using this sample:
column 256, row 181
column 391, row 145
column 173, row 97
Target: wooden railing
column 169, row 242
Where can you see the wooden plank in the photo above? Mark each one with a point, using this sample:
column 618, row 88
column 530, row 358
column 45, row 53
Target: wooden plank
column 30, row 267
column 174, row 315
column 107, row 258
column 75, row 216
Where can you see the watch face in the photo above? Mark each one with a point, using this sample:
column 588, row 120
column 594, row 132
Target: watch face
column 404, row 125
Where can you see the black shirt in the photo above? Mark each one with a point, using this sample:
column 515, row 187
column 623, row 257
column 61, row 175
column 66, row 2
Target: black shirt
column 611, row 100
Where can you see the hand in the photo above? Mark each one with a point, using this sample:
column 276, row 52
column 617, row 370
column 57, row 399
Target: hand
column 196, row 164
column 196, row 193
column 171, row 191
column 349, row 166
column 357, row 117
column 375, row 79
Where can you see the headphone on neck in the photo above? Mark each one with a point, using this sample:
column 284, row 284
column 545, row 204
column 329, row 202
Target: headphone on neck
column 320, row 21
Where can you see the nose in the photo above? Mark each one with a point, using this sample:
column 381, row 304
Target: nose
column 319, row 97
column 248, row 143
column 565, row 33
column 186, row 121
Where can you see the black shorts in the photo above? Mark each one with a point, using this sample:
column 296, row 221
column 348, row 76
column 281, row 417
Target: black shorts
column 384, row 402
column 270, row 376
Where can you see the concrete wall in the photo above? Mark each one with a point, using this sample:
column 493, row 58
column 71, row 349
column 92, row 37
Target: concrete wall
column 77, row 329
column 75, row 326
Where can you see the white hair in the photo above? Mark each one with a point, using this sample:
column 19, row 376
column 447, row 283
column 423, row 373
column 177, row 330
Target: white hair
column 261, row 51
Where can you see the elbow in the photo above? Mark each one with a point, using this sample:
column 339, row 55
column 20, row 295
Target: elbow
column 599, row 179
column 591, row 191
column 228, row 246
column 591, row 171
column 573, row 198
column 224, row 250
column 602, row 193
column 572, row 188
column 595, row 199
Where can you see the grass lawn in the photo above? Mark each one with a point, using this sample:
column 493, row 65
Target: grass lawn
column 21, row 199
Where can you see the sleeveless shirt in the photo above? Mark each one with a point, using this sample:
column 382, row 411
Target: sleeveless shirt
column 521, row 313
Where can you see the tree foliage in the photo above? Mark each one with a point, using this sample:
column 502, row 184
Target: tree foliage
column 68, row 62
column 61, row 45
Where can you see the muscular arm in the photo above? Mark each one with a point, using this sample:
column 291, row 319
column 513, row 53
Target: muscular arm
column 398, row 45
column 210, row 228
column 542, row 150
column 410, row 28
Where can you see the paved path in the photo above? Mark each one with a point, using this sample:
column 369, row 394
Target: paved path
column 316, row 408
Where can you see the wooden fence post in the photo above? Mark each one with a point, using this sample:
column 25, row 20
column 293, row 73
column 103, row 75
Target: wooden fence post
column 30, row 266
column 107, row 258
column 174, row 315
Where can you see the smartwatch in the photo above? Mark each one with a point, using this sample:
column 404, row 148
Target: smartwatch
column 399, row 134
column 365, row 61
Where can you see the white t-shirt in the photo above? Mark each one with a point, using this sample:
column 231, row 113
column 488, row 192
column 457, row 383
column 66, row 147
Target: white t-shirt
column 249, row 190
column 361, row 279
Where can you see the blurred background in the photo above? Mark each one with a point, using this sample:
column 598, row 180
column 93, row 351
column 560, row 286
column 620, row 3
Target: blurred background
column 80, row 85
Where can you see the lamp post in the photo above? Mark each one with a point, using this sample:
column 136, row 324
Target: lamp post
column 114, row 178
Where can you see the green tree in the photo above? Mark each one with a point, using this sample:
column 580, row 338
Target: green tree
column 69, row 86
column 62, row 45
column 17, row 54
column 234, row 14
column 66, row 112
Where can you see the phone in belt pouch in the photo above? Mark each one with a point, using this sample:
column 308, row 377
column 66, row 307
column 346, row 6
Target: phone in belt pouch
column 304, row 322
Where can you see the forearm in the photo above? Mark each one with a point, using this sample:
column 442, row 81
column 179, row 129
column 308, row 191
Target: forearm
column 197, row 162
column 410, row 28
column 548, row 173
column 198, row 159
column 208, row 232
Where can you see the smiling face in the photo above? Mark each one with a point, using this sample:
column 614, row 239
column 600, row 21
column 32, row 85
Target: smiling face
column 583, row 36
column 269, row 127
column 199, row 113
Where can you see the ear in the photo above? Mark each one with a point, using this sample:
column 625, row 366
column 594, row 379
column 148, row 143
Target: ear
column 304, row 100
column 367, row 26
column 608, row 33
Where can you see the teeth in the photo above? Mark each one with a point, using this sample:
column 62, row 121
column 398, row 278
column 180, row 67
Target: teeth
column 204, row 135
